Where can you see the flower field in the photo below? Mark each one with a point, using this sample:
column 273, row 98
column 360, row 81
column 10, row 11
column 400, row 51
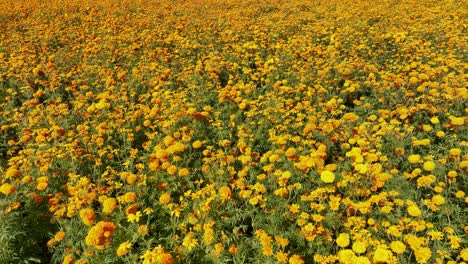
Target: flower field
column 233, row 131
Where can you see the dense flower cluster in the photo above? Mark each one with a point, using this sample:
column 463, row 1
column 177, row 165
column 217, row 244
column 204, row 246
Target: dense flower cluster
column 159, row 131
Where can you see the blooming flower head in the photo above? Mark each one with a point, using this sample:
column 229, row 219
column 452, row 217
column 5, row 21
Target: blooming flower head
column 343, row 240
column 413, row 210
column 414, row 158
column 225, row 193
column 123, row 248
column 87, row 215
column 99, row 235
column 428, row 165
column 398, row 247
column 359, row 247
column 7, row 188
column 382, row 255
column 109, row 205
column 327, row 176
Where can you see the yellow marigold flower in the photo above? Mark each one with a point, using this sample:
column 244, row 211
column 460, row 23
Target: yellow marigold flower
column 172, row 170
column 413, row 210
column 134, row 218
column 296, row 259
column 382, row 255
column 165, row 198
column 457, row 121
column 350, row 117
column 426, row 180
column 452, row 174
column 143, row 230
column 359, row 247
column 281, row 257
column 440, row 134
column 99, row 235
column 413, row 80
column 218, row 249
column 189, row 242
column 197, row 144
column 398, row 247
column 428, row 165
column 343, row 240
column 460, row 194
column 438, row 199
column 123, row 248
column 42, row 183
column 225, row 193
column 127, row 197
column 327, row 176
column 455, row 152
column 68, row 259
column 7, row 188
column 346, row 256
column 184, row 172
column 435, row 120
column 422, row 254
column 464, row 254
column 87, row 215
column 109, row 205
column 361, row 260
column 12, row 172
column 59, row 236
column 414, row 158
column 463, row 164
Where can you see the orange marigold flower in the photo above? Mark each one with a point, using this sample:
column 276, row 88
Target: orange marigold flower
column 165, row 198
column 99, row 235
column 87, row 215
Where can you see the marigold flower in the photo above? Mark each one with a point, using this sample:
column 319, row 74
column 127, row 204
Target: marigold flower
column 189, row 241
column 382, row 255
column 327, row 176
column 59, row 236
column 165, row 198
column 428, row 165
column 346, row 256
column 359, row 247
column 422, row 254
column 7, row 188
column 109, row 205
column 172, row 170
column 343, row 240
column 143, row 230
column 68, row 259
column 123, row 248
column 398, row 247
column 197, row 144
column 414, row 158
column 42, row 183
column 225, row 193
column 12, row 172
column 87, row 215
column 438, row 199
column 296, row 259
column 99, row 235
column 455, row 152
column 413, row 210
